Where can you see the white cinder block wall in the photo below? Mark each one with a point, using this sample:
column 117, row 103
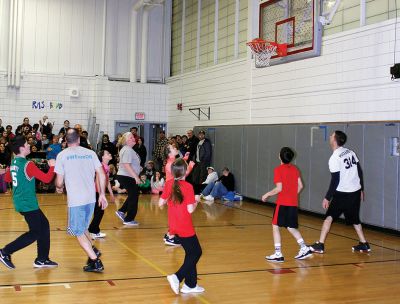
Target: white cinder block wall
column 109, row 101
column 350, row 81
column 62, row 49
column 224, row 88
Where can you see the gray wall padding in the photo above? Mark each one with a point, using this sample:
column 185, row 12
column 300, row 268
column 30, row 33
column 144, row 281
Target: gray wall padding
column 251, row 153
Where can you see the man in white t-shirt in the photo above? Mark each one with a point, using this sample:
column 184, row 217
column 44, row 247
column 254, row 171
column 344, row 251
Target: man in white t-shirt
column 345, row 192
column 77, row 167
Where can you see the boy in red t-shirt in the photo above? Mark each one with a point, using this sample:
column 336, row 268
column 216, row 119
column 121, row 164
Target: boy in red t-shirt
column 288, row 185
column 179, row 195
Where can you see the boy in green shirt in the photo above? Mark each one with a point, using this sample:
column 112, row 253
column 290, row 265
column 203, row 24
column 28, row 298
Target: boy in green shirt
column 22, row 174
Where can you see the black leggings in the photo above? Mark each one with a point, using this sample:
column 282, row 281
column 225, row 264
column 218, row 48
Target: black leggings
column 39, row 230
column 97, row 217
column 188, row 270
column 130, row 205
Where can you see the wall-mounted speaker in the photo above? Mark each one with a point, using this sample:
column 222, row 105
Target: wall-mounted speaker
column 73, row 92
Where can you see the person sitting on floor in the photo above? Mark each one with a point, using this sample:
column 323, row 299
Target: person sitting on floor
column 144, row 186
column 221, row 187
column 157, row 183
column 149, row 169
column 212, row 177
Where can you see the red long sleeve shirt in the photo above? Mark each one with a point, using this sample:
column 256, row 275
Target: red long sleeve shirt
column 33, row 171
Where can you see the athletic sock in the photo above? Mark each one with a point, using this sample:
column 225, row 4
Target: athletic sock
column 301, row 243
column 278, row 248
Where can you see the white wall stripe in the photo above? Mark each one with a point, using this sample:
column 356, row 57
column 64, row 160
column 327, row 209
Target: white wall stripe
column 236, row 43
column 198, row 35
column 183, row 36
column 216, row 32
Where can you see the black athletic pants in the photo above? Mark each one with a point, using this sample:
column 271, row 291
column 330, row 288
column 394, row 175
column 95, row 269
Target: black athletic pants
column 97, row 217
column 199, row 175
column 130, row 205
column 188, row 270
column 39, row 230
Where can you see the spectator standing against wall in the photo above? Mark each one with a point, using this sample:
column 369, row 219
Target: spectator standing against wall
column 202, row 160
column 191, row 144
column 158, row 153
column 141, row 150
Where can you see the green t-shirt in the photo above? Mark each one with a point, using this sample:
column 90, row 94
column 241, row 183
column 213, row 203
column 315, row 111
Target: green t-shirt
column 24, row 190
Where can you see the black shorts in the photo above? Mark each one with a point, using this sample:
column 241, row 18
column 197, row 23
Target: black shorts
column 285, row 216
column 347, row 203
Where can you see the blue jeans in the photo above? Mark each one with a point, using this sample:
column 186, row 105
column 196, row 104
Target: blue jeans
column 79, row 219
column 216, row 189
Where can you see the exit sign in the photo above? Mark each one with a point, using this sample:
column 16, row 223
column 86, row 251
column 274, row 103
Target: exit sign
column 139, row 116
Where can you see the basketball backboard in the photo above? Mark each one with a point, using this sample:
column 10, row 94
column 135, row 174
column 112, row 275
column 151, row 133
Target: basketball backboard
column 293, row 22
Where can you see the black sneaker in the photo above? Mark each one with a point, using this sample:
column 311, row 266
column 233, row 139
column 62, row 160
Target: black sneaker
column 166, row 237
column 6, row 259
column 94, row 266
column 174, row 241
column 362, row 247
column 317, row 247
column 96, row 251
column 44, row 264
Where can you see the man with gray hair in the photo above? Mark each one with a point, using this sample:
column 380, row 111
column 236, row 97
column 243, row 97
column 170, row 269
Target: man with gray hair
column 78, row 167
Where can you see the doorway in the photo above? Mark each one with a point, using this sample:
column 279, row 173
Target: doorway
column 148, row 130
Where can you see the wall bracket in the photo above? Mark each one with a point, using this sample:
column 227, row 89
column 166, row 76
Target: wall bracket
column 198, row 111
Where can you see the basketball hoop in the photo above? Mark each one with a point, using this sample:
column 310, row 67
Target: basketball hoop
column 264, row 50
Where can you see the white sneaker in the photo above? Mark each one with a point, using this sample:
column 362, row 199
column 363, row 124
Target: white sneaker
column 201, row 196
column 173, row 282
column 131, row 223
column 99, row 235
column 304, row 253
column 276, row 257
column 187, row 289
column 197, row 198
column 209, row 198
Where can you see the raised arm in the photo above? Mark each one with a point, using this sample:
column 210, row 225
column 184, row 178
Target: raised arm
column 33, row 171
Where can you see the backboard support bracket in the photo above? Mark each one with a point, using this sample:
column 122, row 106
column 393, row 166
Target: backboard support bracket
column 327, row 17
column 198, row 111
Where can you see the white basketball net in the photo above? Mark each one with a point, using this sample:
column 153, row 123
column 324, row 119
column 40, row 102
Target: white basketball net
column 262, row 51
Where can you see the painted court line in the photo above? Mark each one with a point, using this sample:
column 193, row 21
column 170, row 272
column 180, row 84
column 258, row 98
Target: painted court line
column 19, row 287
column 151, row 264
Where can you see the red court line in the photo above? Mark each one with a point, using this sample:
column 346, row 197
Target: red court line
column 111, row 282
column 280, row 271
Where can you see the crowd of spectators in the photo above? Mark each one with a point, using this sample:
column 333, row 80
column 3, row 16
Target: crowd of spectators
column 47, row 144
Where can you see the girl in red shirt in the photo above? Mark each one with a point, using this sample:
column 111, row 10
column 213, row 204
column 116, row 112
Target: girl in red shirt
column 288, row 186
column 172, row 152
column 179, row 195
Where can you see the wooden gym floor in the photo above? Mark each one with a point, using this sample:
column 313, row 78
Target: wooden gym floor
column 235, row 239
